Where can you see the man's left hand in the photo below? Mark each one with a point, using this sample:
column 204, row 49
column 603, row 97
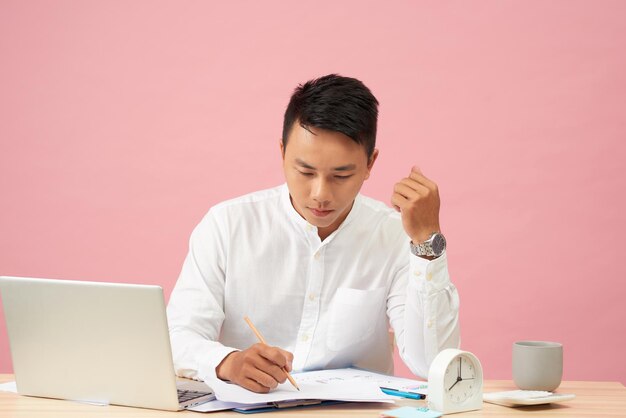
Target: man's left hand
column 417, row 199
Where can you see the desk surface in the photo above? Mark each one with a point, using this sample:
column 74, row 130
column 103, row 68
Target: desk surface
column 592, row 399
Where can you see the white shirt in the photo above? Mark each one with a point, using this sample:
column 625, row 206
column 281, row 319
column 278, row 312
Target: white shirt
column 328, row 302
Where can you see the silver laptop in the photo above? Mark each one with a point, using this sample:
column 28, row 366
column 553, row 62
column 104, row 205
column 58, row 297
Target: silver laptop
column 105, row 343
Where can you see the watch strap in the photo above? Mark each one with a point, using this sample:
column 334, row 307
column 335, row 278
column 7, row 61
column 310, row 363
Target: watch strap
column 422, row 249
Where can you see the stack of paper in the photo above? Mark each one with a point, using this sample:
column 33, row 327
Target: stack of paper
column 338, row 391
column 336, row 385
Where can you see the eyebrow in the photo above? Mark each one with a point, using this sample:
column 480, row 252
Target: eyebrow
column 346, row 167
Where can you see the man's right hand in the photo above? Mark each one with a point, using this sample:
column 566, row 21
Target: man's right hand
column 258, row 368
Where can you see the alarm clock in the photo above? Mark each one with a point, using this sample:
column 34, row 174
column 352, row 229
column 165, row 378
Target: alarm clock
column 455, row 382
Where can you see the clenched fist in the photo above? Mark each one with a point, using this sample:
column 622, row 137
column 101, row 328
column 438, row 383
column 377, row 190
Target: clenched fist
column 417, row 199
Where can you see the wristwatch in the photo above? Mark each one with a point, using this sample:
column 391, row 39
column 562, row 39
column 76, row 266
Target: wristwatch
column 432, row 247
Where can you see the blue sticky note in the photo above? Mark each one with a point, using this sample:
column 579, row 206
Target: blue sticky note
column 410, row 412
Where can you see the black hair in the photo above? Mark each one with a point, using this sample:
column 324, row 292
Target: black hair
column 335, row 103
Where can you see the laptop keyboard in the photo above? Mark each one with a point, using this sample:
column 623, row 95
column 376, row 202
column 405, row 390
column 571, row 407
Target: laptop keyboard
column 187, row 395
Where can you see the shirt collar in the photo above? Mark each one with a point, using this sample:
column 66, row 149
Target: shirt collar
column 307, row 227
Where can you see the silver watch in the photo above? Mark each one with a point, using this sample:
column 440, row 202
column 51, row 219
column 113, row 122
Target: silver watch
column 432, row 247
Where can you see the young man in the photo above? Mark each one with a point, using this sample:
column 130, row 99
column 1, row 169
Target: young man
column 321, row 270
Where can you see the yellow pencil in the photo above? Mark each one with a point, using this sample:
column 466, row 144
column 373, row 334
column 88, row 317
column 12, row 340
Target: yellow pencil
column 260, row 337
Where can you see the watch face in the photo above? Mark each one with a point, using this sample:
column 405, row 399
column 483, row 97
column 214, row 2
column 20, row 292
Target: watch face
column 460, row 380
column 439, row 244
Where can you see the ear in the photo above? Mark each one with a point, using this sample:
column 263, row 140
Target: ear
column 282, row 149
column 370, row 163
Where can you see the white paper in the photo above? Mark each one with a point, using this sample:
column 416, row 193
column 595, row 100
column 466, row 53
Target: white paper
column 216, row 405
column 8, row 387
column 382, row 380
column 324, row 385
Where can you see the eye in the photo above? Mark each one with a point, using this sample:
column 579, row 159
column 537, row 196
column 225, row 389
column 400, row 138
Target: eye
column 305, row 173
column 343, row 177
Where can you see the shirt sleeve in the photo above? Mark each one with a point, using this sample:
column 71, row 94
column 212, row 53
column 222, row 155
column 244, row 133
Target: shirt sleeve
column 196, row 307
column 423, row 310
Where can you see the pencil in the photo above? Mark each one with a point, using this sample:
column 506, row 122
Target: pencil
column 260, row 337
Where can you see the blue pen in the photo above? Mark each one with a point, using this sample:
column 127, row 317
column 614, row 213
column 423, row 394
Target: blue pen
column 396, row 392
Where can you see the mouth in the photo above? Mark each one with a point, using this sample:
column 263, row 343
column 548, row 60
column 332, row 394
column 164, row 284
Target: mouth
column 320, row 213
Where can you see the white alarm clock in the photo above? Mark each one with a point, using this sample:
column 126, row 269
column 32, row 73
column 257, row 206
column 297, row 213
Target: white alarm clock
column 455, row 382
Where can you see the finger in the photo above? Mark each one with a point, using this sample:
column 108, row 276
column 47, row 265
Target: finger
column 398, row 201
column 253, row 385
column 422, row 179
column 275, row 355
column 289, row 356
column 261, row 378
column 410, row 189
column 416, row 185
column 266, row 366
column 275, row 361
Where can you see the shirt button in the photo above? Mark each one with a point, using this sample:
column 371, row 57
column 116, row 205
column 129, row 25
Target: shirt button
column 430, row 323
column 418, row 273
column 311, row 297
column 316, row 256
column 429, row 276
column 305, row 338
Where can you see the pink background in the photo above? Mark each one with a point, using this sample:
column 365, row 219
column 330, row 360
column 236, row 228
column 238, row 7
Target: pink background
column 121, row 123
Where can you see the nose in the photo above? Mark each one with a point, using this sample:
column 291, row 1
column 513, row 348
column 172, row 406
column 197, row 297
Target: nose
column 321, row 192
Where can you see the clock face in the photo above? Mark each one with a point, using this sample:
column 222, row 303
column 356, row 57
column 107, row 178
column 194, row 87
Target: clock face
column 460, row 380
column 438, row 244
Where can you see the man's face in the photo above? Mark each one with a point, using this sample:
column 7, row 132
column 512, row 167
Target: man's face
column 324, row 171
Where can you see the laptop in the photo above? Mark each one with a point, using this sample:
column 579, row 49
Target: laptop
column 104, row 343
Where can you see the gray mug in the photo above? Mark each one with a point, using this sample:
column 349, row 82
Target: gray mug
column 537, row 365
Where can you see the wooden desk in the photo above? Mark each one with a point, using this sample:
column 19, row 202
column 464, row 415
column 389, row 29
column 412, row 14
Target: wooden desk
column 593, row 399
